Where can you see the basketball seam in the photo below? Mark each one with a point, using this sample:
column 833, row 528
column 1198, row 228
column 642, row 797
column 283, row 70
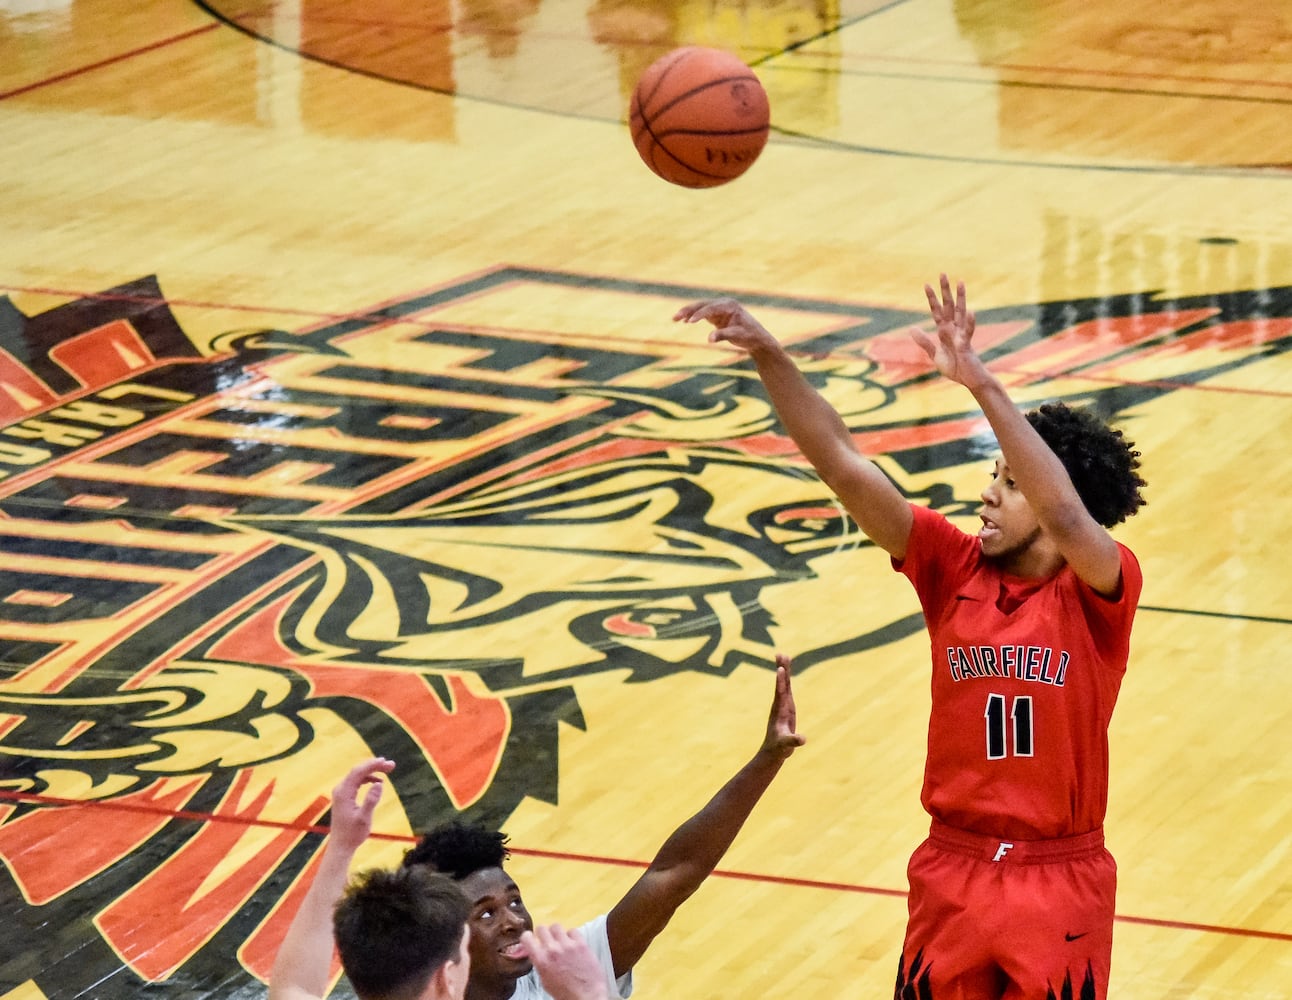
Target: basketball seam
column 656, row 145
column 647, row 121
column 683, row 164
column 710, row 131
column 663, row 74
column 699, row 90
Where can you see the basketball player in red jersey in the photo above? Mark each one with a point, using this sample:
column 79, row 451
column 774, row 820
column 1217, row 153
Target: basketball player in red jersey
column 1011, row 896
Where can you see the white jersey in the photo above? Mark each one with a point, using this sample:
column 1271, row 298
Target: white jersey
column 528, row 987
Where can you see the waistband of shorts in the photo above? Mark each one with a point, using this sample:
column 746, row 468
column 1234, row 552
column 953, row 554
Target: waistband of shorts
column 1015, row 852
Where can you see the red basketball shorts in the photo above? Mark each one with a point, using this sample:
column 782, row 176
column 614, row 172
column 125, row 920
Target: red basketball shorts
column 1008, row 920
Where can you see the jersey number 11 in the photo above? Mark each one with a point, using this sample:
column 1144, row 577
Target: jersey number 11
column 999, row 725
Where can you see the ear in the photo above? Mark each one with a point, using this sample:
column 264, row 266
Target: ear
column 440, row 985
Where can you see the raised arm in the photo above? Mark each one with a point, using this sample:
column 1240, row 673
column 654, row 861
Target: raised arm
column 696, row 847
column 877, row 506
column 1082, row 541
column 302, row 968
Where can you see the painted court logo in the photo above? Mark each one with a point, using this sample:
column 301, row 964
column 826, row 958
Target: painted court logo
column 223, row 564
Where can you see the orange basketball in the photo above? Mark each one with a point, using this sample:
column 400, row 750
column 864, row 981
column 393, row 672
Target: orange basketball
column 699, row 117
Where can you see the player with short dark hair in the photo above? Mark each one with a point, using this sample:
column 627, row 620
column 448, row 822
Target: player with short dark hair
column 397, row 930
column 403, row 934
column 1012, row 894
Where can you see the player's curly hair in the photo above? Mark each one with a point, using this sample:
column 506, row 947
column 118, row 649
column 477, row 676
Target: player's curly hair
column 458, row 849
column 1102, row 464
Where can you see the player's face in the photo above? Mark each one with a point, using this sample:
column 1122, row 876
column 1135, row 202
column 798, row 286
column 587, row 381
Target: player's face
column 1009, row 526
column 498, row 918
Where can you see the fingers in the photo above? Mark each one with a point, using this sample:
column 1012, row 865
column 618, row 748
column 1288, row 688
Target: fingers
column 714, row 310
column 546, row 940
column 927, row 344
column 366, row 771
column 946, row 307
column 783, row 723
column 719, row 312
column 935, row 307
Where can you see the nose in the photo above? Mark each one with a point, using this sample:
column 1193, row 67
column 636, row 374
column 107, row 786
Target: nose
column 989, row 495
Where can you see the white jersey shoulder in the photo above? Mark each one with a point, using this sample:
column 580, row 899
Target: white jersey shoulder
column 594, row 932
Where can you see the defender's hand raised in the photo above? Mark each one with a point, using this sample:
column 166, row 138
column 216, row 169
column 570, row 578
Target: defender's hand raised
column 783, row 737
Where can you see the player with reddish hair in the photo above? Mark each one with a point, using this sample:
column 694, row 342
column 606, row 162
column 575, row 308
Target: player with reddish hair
column 1011, row 896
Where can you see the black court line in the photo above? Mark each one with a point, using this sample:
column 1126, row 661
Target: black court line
column 1036, row 85
column 404, row 310
column 1272, row 171
column 1268, row 619
column 820, row 35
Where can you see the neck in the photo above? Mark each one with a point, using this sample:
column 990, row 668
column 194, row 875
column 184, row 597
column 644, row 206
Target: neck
column 1036, row 559
column 477, row 990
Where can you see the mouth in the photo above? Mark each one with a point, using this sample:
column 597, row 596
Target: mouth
column 514, row 951
column 989, row 527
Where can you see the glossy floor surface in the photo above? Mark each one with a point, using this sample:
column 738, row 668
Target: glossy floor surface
column 343, row 414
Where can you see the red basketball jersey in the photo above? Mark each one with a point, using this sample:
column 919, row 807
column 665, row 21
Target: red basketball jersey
column 1025, row 677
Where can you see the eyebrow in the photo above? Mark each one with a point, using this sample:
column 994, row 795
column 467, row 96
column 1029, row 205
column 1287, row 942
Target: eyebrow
column 489, row 897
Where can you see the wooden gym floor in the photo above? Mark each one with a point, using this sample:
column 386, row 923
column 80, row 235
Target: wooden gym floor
column 343, row 414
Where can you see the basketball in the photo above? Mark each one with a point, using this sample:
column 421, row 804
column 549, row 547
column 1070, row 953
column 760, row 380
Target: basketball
column 699, row 117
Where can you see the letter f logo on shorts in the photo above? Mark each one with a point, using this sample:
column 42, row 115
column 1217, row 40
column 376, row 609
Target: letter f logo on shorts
column 1002, row 850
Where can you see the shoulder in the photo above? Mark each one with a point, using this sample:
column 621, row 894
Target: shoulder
column 1129, row 587
column 929, row 523
column 935, row 540
column 1131, row 571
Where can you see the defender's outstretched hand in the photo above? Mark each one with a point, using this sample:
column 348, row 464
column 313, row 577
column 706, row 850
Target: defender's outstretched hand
column 352, row 816
column 731, row 321
column 952, row 352
column 302, row 968
column 783, row 737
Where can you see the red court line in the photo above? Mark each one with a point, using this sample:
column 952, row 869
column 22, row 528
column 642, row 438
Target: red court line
column 153, row 300
column 186, row 814
column 69, row 74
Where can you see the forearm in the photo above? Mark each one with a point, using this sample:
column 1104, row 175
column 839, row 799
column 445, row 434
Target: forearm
column 304, row 962
column 1034, row 466
column 877, row 506
column 815, row 426
column 697, row 846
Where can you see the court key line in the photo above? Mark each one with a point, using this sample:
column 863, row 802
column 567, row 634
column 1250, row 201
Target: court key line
column 122, row 57
column 767, row 879
column 378, row 314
